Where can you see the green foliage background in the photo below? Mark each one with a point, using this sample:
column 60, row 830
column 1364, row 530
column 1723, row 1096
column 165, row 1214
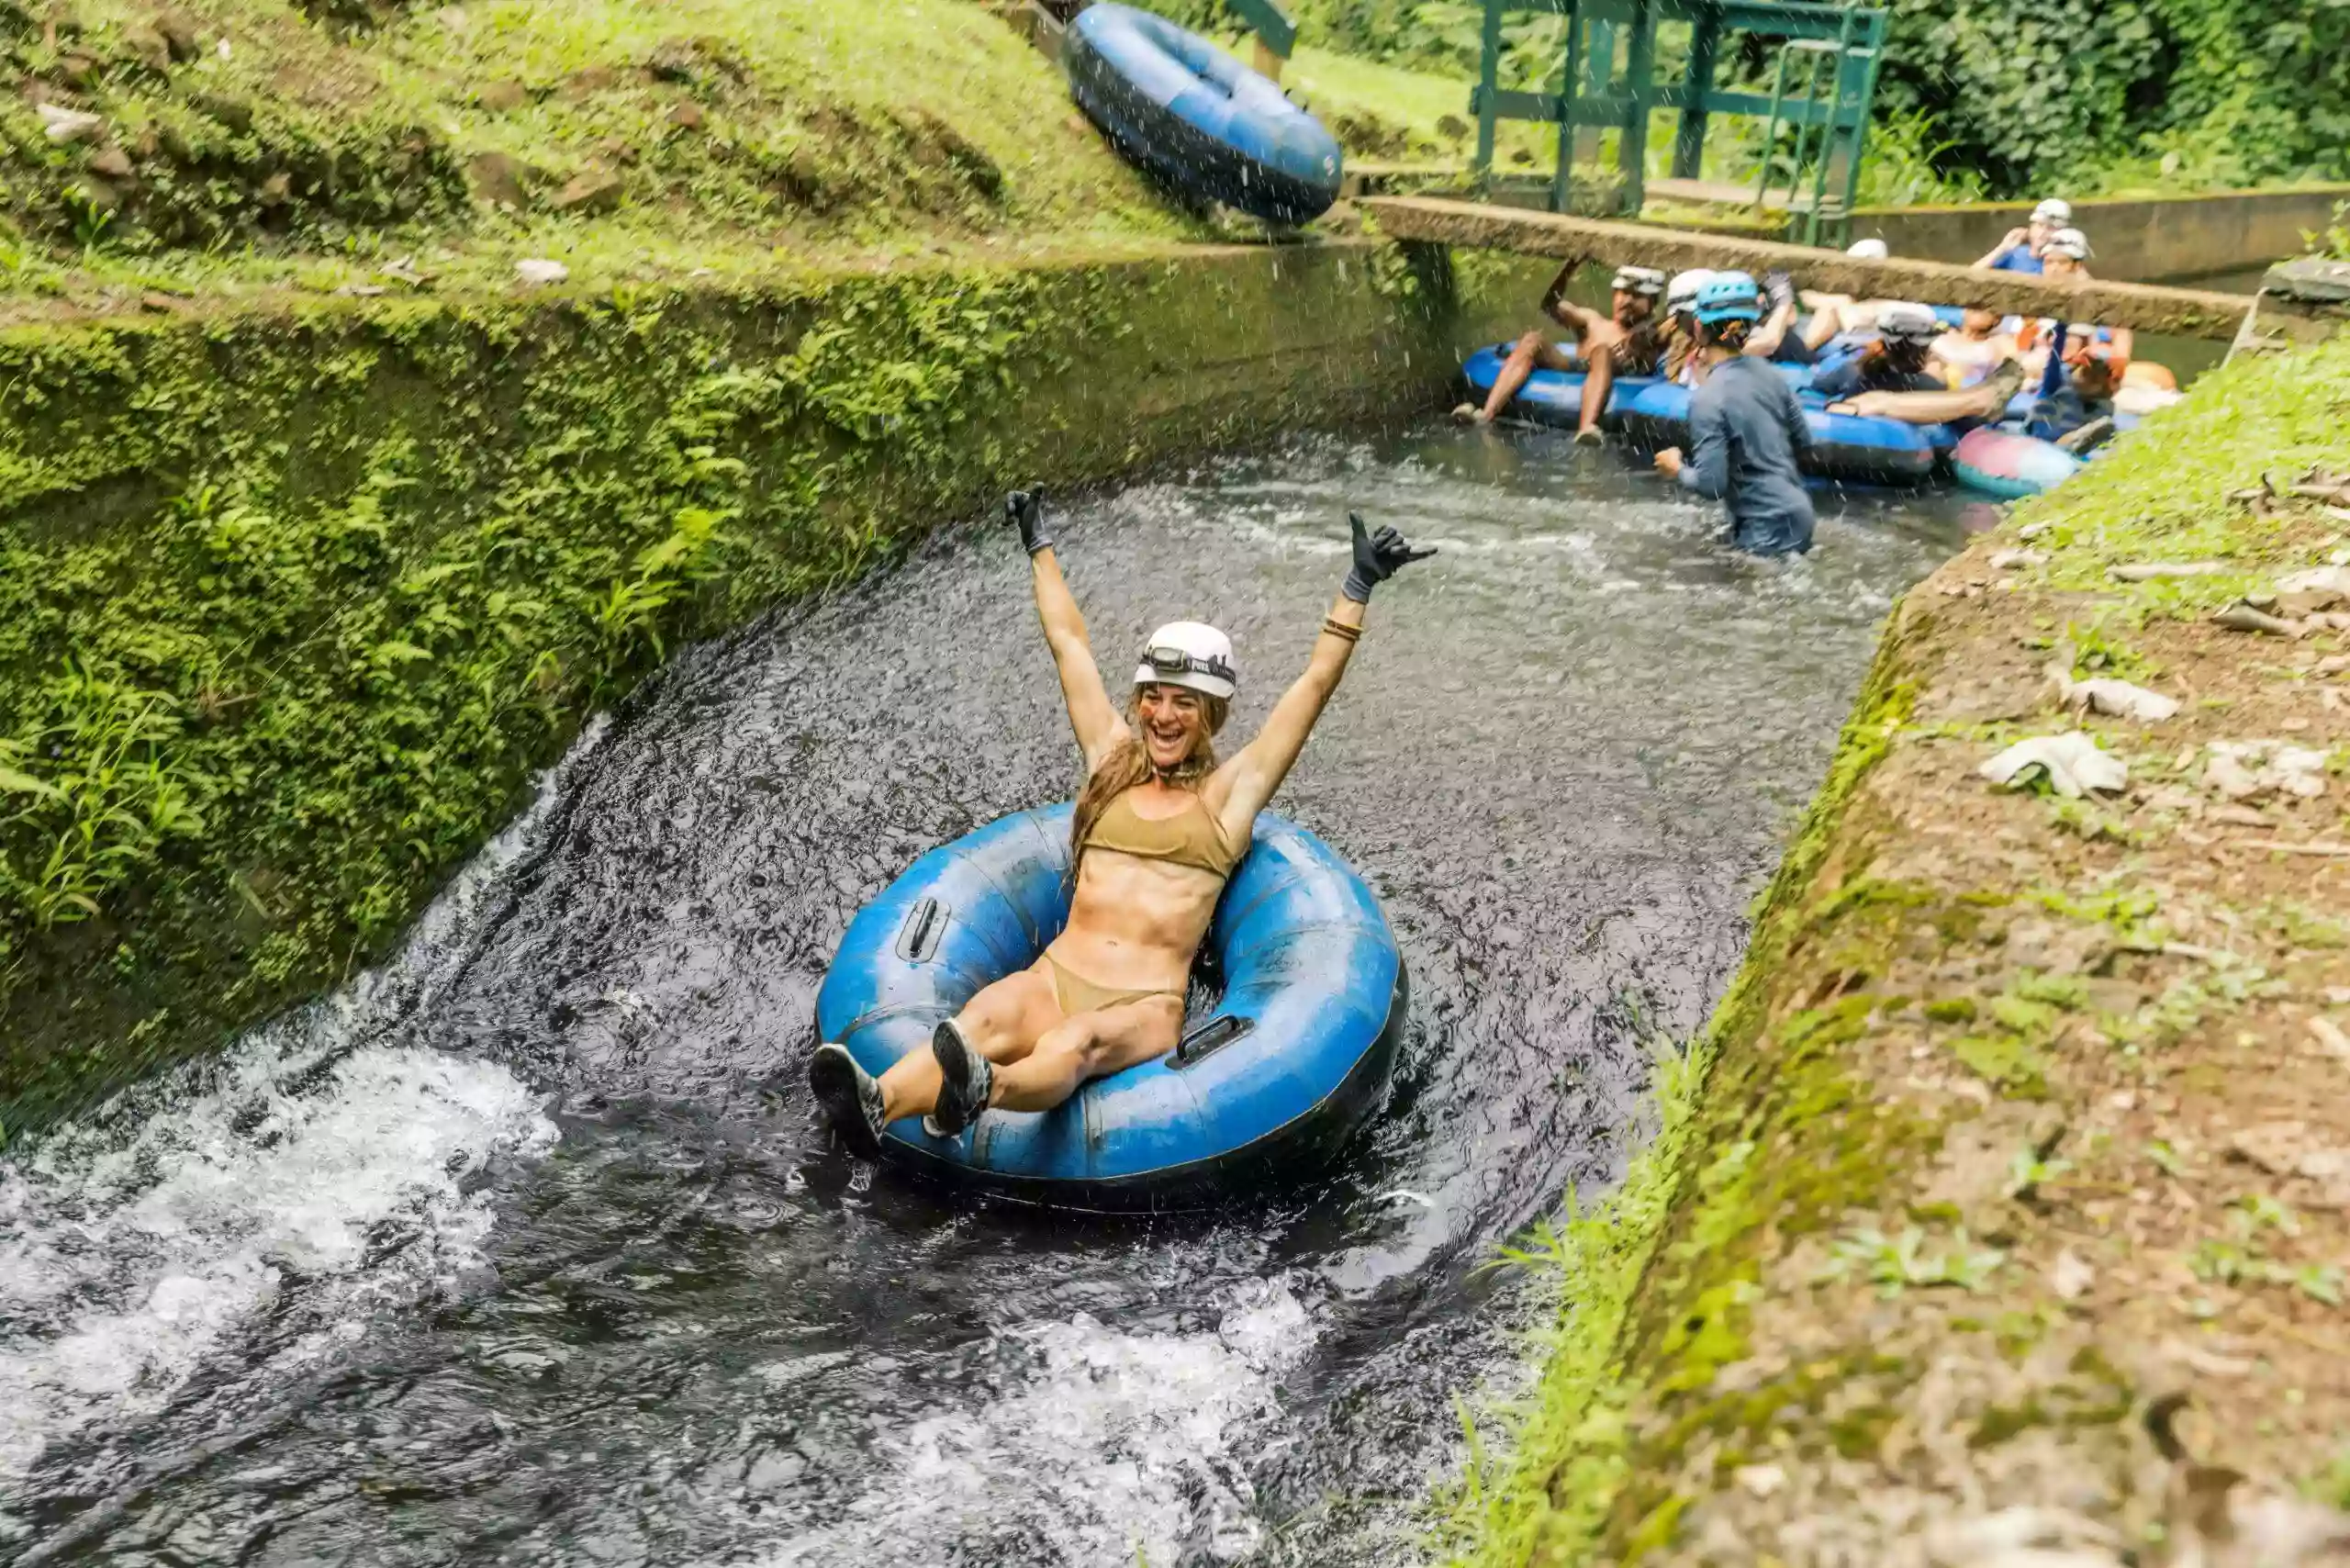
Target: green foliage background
column 2085, row 95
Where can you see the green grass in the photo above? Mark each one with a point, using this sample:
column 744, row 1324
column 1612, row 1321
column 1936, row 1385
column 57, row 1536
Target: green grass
column 1388, row 111
column 2161, row 491
column 313, row 155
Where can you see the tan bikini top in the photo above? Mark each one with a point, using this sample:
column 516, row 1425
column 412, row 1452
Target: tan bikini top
column 1190, row 837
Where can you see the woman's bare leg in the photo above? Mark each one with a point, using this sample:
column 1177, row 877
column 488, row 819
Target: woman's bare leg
column 1003, row 1023
column 1824, row 323
column 1091, row 1044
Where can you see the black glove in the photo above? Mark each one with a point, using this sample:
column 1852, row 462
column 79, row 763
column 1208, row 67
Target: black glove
column 1780, row 289
column 1378, row 557
column 1027, row 508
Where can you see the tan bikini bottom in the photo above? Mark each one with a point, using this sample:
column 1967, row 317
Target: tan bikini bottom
column 1077, row 994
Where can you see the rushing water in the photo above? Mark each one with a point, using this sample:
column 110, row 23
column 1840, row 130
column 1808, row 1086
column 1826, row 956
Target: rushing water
column 531, row 1249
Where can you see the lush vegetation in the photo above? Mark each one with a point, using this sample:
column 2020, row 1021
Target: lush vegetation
column 2006, row 96
column 171, row 143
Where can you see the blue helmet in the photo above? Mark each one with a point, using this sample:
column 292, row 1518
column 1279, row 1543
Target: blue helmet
column 1729, row 297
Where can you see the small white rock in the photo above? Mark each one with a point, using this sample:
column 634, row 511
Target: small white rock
column 2074, row 765
column 2329, row 1037
column 2119, row 699
column 2012, row 560
column 63, row 124
column 537, row 269
column 2316, row 579
column 2071, row 1276
column 1761, row 1479
column 2242, row 770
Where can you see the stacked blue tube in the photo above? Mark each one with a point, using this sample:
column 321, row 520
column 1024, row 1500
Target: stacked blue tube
column 1293, row 1057
column 1198, row 119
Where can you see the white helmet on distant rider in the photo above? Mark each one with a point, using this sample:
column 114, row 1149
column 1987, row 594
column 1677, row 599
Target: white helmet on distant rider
column 1646, row 281
column 1189, row 653
column 1680, row 296
column 1907, row 323
column 2068, row 242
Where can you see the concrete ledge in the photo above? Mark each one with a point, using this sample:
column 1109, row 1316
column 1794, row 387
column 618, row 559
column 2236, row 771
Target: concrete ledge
column 2189, row 313
column 2137, row 239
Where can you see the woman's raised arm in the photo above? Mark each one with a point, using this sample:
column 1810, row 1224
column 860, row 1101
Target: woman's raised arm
column 1249, row 780
column 1091, row 713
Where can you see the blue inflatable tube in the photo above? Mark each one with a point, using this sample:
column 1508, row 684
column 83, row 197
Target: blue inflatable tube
column 1843, row 446
column 1199, row 119
column 1654, row 413
column 1549, row 397
column 1555, row 396
column 1295, row 1057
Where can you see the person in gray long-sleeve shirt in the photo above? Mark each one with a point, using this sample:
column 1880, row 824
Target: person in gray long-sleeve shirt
column 1747, row 433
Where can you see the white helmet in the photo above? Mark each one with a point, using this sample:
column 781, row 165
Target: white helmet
column 1906, row 323
column 2068, row 242
column 1187, row 652
column 1648, row 281
column 1869, row 251
column 2054, row 210
column 1681, row 293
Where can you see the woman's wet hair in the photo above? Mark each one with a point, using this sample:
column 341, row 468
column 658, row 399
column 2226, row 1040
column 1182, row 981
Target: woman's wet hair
column 1128, row 764
column 1730, row 334
column 1909, row 353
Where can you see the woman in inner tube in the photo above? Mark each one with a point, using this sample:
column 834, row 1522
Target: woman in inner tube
column 1158, row 827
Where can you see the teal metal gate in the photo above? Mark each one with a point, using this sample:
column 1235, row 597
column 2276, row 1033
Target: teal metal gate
column 1824, row 79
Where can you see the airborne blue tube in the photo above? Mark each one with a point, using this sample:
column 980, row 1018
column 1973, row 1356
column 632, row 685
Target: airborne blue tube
column 1293, row 1057
column 1198, row 119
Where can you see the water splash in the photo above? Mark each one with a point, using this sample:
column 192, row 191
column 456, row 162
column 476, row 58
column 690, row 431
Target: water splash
column 320, row 1172
column 1094, row 1446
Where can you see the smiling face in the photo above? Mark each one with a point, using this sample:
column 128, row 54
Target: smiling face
column 1172, row 722
column 2040, row 231
column 2059, row 266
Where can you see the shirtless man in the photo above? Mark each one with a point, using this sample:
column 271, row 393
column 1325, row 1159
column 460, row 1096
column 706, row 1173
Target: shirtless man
column 1158, row 827
column 1627, row 341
